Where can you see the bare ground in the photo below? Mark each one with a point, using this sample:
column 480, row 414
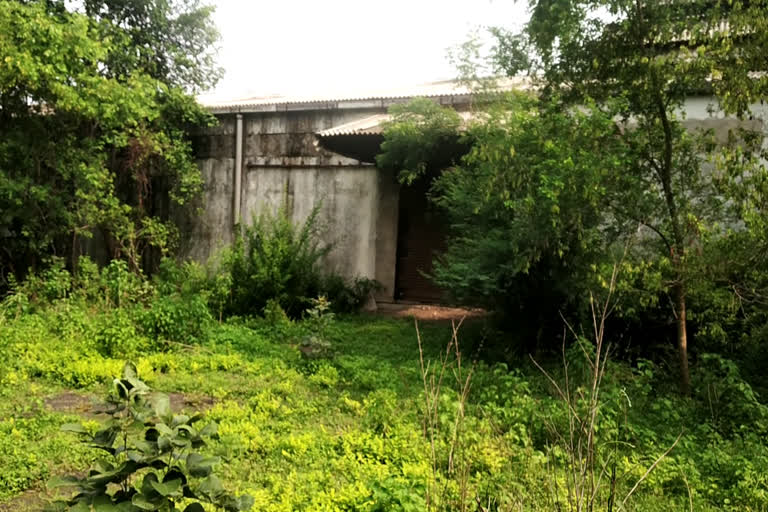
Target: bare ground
column 425, row 312
column 30, row 500
column 88, row 405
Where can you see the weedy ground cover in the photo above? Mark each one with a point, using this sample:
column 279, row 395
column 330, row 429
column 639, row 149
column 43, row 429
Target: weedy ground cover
column 361, row 425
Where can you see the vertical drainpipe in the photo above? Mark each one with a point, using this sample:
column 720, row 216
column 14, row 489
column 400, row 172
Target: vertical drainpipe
column 236, row 203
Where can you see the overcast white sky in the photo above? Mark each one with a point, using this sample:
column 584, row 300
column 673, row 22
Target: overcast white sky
column 310, row 46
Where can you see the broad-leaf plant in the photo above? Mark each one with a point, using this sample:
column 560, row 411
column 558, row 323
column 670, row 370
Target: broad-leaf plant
column 150, row 458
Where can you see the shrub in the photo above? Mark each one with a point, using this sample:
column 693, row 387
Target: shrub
column 51, row 284
column 120, row 286
column 185, row 278
column 177, row 318
column 116, row 334
column 733, row 405
column 346, row 297
column 275, row 259
column 316, row 344
column 326, row 376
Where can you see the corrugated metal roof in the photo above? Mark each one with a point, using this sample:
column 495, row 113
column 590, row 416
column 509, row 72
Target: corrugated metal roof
column 448, row 88
column 367, row 126
column 371, row 125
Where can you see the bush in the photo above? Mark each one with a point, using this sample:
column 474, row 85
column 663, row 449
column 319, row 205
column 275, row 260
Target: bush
column 116, row 334
column 345, row 297
column 186, row 278
column 161, row 449
column 278, row 261
column 275, row 259
column 177, row 318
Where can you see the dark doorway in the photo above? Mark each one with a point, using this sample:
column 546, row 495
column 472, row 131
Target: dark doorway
column 420, row 236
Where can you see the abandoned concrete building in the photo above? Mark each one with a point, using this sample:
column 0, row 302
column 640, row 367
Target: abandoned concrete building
column 299, row 152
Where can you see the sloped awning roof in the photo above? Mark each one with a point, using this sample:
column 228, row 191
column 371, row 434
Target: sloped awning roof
column 361, row 139
column 373, row 125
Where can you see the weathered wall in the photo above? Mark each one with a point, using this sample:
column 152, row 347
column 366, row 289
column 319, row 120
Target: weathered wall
column 211, row 227
column 347, row 202
column 284, row 168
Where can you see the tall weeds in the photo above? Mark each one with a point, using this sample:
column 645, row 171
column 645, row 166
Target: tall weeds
column 590, row 462
column 447, row 457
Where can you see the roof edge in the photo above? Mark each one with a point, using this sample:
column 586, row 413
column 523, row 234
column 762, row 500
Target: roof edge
column 347, row 104
column 449, row 93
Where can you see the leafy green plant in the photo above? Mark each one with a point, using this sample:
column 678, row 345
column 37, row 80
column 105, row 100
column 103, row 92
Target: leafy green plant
column 177, row 318
column 733, row 405
column 116, row 333
column 276, row 259
column 316, row 344
column 348, row 297
column 121, row 286
column 398, row 494
column 184, row 278
column 151, row 460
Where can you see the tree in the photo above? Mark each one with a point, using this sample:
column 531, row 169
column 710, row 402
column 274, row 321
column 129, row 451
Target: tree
column 522, row 193
column 170, row 40
column 640, row 61
column 81, row 147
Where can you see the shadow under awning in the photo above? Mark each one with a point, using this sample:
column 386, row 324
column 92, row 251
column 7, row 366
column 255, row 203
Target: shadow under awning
column 359, row 139
column 362, row 139
column 360, row 147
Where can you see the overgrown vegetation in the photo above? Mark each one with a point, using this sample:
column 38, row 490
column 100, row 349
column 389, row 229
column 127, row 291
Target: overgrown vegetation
column 358, row 422
column 145, row 441
column 586, row 204
column 597, row 163
column 279, row 261
column 94, row 118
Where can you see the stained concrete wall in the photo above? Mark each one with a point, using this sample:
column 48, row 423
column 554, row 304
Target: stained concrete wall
column 284, row 168
column 347, row 199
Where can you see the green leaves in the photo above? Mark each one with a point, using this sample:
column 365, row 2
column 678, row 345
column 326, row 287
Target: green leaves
column 675, row 188
column 144, row 437
column 525, row 203
column 75, row 137
column 422, row 137
column 76, row 428
column 200, row 466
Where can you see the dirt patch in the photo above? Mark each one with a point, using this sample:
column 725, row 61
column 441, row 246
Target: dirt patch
column 88, row 405
column 187, row 401
column 73, row 403
column 28, row 501
column 428, row 312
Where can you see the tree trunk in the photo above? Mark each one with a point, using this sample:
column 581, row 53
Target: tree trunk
column 677, row 249
column 682, row 338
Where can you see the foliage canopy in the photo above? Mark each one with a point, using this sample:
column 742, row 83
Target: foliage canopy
column 88, row 148
column 605, row 158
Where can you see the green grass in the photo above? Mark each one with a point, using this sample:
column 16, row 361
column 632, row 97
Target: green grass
column 346, row 433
